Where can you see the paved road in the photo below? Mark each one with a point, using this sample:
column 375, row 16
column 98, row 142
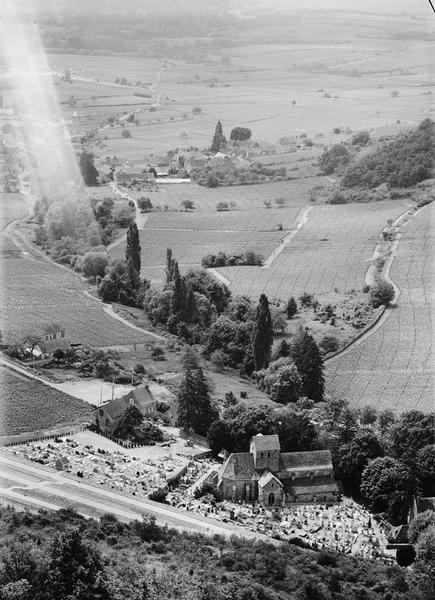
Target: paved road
column 25, row 483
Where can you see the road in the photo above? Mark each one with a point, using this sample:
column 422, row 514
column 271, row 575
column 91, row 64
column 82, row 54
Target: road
column 25, row 483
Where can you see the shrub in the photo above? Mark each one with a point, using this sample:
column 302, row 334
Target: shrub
column 329, row 343
column 326, row 559
column 381, row 294
column 159, row 495
column 221, row 206
column 126, row 134
column 157, row 353
column 306, row 300
column 212, row 181
column 361, row 138
column 145, row 204
column 208, row 489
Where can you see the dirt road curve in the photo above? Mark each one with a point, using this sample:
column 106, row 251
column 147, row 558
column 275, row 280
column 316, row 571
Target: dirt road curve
column 23, row 483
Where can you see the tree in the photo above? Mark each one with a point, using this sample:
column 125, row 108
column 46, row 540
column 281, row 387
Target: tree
column 334, row 157
column 414, row 431
column 279, row 321
column 219, row 141
column 196, row 110
column 262, row 337
column 240, row 134
column 179, row 293
column 386, row 419
column 188, row 205
column 353, row 457
column 282, row 350
column 218, row 436
column 95, row 264
column 126, row 133
column 58, row 354
column 75, row 569
column 131, row 419
column 133, row 246
column 388, row 486
column 381, row 294
column 296, row 431
column 144, row 204
column 309, row 363
column 361, row 138
column 195, row 410
column 87, row 168
column 291, row 308
column 425, row 469
column 419, row 524
column 281, row 380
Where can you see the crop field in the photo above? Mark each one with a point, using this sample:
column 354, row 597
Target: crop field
column 193, row 235
column 332, row 250
column 394, row 367
column 246, row 197
column 37, row 293
column 40, row 294
column 31, row 406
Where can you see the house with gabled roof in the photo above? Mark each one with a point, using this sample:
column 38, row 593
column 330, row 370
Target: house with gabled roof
column 274, row 478
column 107, row 417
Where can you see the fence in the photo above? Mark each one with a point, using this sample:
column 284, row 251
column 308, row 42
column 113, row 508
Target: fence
column 16, row 440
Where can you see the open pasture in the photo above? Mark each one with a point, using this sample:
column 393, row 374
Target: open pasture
column 31, row 406
column 394, row 367
column 331, row 250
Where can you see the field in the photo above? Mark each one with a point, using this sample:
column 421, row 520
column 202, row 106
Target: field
column 194, row 234
column 31, row 406
column 332, row 250
column 394, row 367
column 37, row 293
column 12, row 207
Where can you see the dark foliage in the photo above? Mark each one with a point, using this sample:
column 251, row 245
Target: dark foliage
column 404, row 162
column 262, row 336
column 309, row 363
column 87, row 168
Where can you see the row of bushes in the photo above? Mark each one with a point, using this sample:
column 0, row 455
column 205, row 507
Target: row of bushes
column 221, row 259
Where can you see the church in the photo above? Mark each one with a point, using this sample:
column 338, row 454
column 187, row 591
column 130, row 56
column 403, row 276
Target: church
column 274, row 478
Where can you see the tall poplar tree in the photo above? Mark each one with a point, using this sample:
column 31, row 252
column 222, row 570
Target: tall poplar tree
column 309, row 363
column 219, row 140
column 133, row 246
column 170, row 264
column 179, row 293
column 262, row 334
column 195, row 410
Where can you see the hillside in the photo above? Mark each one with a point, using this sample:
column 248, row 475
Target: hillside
column 403, row 162
column 88, row 559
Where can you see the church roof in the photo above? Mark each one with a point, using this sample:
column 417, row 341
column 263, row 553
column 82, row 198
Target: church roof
column 323, row 488
column 316, row 459
column 266, row 477
column 239, row 465
column 265, row 442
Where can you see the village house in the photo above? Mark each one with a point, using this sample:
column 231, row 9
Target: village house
column 107, row 417
column 53, row 339
column 132, row 175
column 274, row 478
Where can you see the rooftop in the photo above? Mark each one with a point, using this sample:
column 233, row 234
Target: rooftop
column 239, row 465
column 265, row 442
column 293, row 461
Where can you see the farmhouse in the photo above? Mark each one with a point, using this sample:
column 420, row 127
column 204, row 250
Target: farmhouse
column 275, row 478
column 130, row 175
column 108, row 416
column 54, row 339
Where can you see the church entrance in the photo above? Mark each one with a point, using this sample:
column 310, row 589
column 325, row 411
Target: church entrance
column 271, row 500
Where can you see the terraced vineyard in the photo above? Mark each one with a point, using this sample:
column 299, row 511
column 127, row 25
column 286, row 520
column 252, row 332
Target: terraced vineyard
column 394, row 367
column 332, row 250
column 29, row 405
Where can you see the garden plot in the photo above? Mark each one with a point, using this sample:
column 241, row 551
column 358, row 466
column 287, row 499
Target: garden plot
column 331, row 251
column 393, row 368
column 30, row 406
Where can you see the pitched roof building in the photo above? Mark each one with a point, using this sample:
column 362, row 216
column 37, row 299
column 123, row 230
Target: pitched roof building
column 108, row 416
column 275, row 478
